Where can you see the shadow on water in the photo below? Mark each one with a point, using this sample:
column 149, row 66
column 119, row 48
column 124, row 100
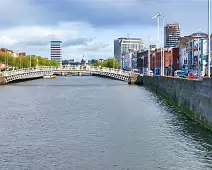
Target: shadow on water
column 188, row 130
column 62, row 81
column 67, row 85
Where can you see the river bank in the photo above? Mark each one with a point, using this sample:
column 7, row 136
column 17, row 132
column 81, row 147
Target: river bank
column 191, row 96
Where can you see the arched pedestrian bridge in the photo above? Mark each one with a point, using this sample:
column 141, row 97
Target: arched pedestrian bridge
column 25, row 74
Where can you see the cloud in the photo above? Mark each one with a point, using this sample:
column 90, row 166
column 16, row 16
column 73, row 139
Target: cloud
column 94, row 50
column 36, row 40
column 110, row 14
column 29, row 25
column 99, row 14
column 77, row 41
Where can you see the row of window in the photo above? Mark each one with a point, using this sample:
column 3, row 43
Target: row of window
column 56, row 56
column 56, row 52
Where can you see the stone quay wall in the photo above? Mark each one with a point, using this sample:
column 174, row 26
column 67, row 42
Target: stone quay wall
column 194, row 97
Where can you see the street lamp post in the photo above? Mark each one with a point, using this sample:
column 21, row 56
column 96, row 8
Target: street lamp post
column 37, row 62
column 209, row 38
column 132, row 64
column 171, row 65
column 20, row 61
column 158, row 17
column 163, row 53
column 198, row 46
column 148, row 62
column 159, row 45
column 143, row 65
column 5, row 60
column 30, row 61
column 122, row 63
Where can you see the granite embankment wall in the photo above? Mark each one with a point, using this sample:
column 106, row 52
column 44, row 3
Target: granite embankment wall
column 191, row 96
column 2, row 80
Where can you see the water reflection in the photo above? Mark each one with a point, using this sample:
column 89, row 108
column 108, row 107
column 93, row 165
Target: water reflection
column 195, row 139
column 95, row 123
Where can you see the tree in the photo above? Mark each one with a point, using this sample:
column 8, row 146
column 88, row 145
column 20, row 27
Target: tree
column 113, row 63
column 110, row 63
column 24, row 62
column 97, row 63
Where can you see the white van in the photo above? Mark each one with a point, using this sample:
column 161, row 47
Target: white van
column 150, row 73
column 135, row 70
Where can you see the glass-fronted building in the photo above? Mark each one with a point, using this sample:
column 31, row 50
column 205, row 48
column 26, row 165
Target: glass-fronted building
column 171, row 35
column 56, row 51
column 123, row 45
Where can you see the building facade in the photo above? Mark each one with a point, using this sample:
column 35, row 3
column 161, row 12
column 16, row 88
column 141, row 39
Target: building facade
column 171, row 61
column 83, row 62
column 127, row 62
column 198, row 56
column 68, row 62
column 194, row 53
column 56, row 51
column 142, row 61
column 123, row 45
column 171, row 35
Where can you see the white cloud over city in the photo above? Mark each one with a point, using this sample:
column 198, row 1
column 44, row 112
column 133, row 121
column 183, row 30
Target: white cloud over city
column 88, row 27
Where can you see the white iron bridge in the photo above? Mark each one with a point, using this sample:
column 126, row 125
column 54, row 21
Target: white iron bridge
column 24, row 74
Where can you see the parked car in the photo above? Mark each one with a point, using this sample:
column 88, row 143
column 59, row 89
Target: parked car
column 135, row 70
column 180, row 73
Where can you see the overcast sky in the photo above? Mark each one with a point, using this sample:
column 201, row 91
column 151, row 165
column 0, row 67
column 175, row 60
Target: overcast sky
column 88, row 27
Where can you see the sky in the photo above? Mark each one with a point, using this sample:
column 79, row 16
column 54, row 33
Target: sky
column 89, row 27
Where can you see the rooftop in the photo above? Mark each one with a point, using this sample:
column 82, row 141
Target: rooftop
column 57, row 41
column 124, row 38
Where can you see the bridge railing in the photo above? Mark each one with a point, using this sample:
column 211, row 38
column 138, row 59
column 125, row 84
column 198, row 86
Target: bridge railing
column 20, row 71
column 14, row 72
column 90, row 68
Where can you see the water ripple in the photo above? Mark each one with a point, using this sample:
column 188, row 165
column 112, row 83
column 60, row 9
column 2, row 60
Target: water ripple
column 95, row 123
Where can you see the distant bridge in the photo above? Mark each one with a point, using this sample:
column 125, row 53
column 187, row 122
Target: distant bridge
column 24, row 74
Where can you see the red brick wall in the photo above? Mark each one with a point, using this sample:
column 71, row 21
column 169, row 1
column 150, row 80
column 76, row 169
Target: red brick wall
column 155, row 59
column 176, row 55
column 167, row 58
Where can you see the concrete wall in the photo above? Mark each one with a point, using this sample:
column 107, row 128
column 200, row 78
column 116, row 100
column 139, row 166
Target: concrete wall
column 191, row 96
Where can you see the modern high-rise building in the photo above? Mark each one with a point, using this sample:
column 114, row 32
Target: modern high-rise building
column 171, row 35
column 56, row 51
column 123, row 45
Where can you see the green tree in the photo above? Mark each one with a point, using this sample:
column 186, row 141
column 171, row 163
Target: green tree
column 113, row 63
column 24, row 62
column 110, row 63
column 97, row 63
column 11, row 60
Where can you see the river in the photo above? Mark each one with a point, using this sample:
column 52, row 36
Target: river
column 92, row 123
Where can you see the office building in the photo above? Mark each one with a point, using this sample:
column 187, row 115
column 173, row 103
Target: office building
column 123, row 45
column 56, row 51
column 171, row 35
column 68, row 62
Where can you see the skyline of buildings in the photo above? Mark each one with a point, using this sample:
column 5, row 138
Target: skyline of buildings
column 12, row 53
column 187, row 58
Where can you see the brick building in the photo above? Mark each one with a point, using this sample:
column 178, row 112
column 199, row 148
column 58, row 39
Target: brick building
column 142, row 61
column 22, row 54
column 171, row 57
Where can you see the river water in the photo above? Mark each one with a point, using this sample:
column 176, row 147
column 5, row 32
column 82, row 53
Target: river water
column 92, row 123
